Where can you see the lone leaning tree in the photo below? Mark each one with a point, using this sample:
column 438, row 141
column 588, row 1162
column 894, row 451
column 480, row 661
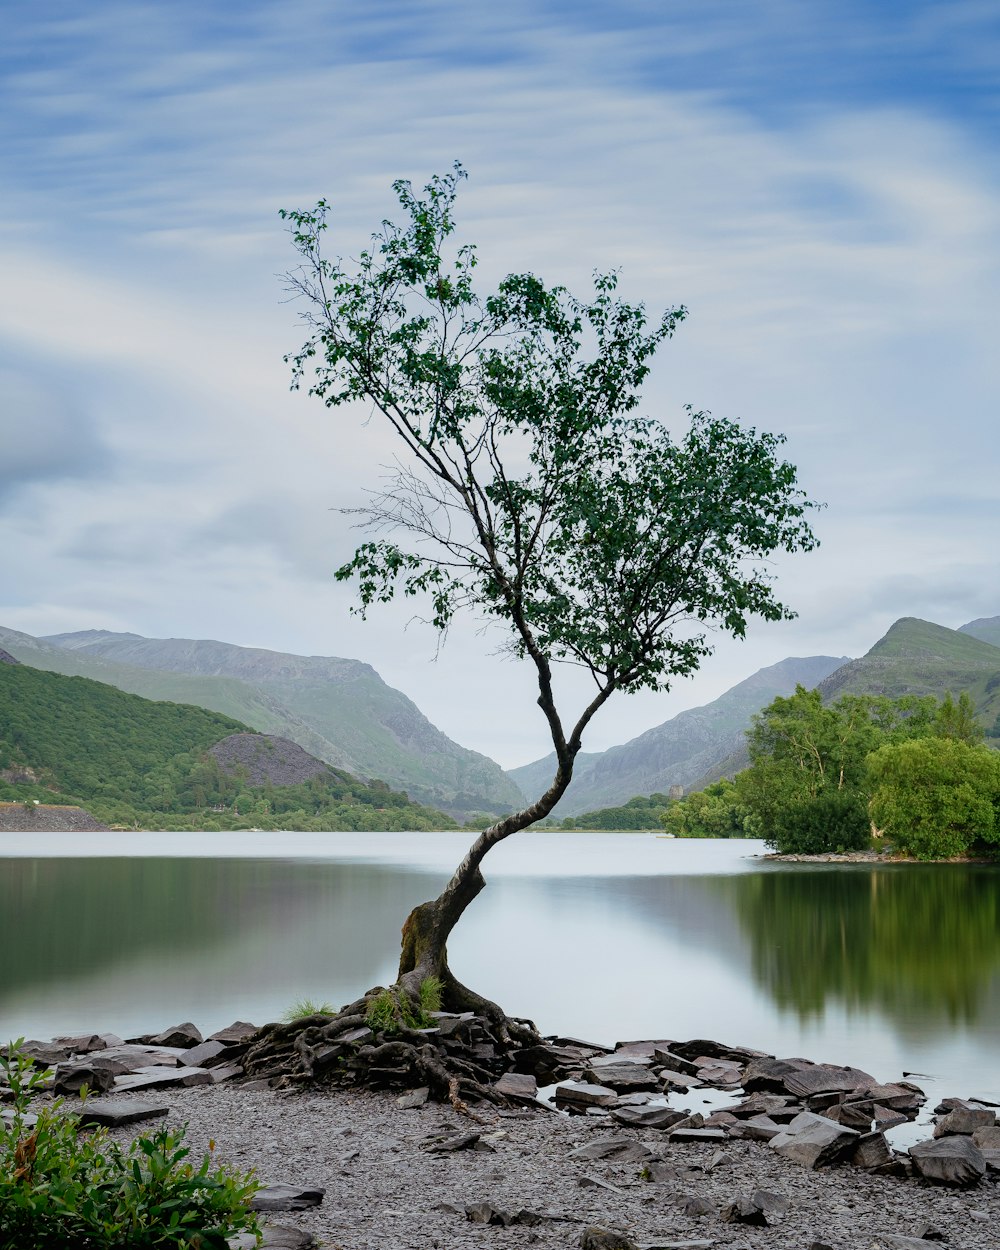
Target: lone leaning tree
column 529, row 490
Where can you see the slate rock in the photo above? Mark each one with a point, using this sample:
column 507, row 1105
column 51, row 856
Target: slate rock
column 954, row 1160
column 618, row 1149
column 596, row 1238
column 824, row 1078
column 964, row 1120
column 813, row 1140
column 700, row 1046
column 112, row 1114
column 200, row 1056
column 414, row 1098
column 854, row 1115
column 519, row 1085
column 487, row 1213
column 238, row 1031
column 679, row 1082
column 768, row 1075
column 81, row 1044
column 185, row 1035
column 71, row 1077
column 156, row 1077
column 743, row 1211
column 871, row 1151
column 625, row 1077
column 757, row 1128
column 276, row 1237
column 585, row 1094
column 719, row 1075
column 695, row 1207
column 760, row 1104
column 647, row 1117
column 987, row 1138
column 886, row 1118
column 770, row 1203
column 43, row 1054
column 224, row 1072
column 678, row 1063
column 621, row 1058
column 283, row 1197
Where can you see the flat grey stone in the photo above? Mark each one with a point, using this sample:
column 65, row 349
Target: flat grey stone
column 283, row 1197
column 81, row 1044
column 414, row 1098
column 619, row 1149
column 680, row 1082
column 276, row 1237
column 224, row 1072
column 112, row 1114
column 620, row 1058
column 955, row 1161
column 596, row 1238
column 894, row 1241
column 585, row 1094
column 647, row 1117
column 813, row 1140
column 623, row 1076
column 517, row 1085
column 197, row 1056
column 163, row 1078
column 823, row 1078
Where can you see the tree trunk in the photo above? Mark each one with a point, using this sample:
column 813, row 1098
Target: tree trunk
column 426, row 931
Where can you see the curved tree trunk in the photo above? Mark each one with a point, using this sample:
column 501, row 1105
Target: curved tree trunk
column 426, row 930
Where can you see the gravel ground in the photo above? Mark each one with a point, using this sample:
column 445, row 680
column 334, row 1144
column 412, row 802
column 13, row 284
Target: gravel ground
column 384, row 1190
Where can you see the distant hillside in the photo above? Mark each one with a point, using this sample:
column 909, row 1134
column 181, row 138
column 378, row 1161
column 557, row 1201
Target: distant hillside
column 918, row 657
column 338, row 710
column 681, row 750
column 986, row 629
column 131, row 761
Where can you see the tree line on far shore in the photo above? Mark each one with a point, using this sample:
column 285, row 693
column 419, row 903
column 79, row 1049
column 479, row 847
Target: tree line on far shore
column 909, row 771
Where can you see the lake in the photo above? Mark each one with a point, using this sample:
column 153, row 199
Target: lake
column 604, row 936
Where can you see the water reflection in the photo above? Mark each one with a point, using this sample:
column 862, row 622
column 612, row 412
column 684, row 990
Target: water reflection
column 909, row 940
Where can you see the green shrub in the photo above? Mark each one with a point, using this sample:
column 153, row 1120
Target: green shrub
column 833, row 822
column 63, row 1189
column 303, row 1007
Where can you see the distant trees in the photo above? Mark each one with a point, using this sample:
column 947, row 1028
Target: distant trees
column 715, row 812
column 821, row 774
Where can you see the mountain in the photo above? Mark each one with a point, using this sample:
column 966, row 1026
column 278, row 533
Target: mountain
column 339, row 710
column 986, row 629
column 681, row 750
column 140, row 763
column 918, row 657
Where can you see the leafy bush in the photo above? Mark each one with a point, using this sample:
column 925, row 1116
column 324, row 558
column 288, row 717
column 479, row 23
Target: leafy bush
column 832, row 821
column 936, row 797
column 61, row 1189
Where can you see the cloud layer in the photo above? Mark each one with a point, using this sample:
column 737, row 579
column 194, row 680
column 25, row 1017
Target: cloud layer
column 817, row 183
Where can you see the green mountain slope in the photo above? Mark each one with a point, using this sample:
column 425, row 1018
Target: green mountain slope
column 681, row 750
column 918, row 657
column 337, row 709
column 167, row 765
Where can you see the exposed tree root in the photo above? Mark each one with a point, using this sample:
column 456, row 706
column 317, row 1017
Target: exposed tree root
column 458, row 1055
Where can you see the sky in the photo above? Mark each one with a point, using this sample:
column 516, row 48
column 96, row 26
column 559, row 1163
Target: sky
column 816, row 180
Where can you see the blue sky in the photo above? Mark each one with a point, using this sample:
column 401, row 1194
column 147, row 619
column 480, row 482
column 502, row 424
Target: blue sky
column 816, row 181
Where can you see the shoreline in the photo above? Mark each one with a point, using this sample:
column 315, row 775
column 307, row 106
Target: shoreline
column 393, row 1175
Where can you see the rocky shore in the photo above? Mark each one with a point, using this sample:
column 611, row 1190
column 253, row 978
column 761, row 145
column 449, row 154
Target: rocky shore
column 679, row 1145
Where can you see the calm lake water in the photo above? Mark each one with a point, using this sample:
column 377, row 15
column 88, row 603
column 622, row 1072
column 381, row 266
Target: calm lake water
column 602, row 936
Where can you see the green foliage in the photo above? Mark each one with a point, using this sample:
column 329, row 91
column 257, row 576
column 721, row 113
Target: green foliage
column 958, row 720
column 642, row 812
column 63, row 1188
column 392, row 1009
column 806, row 790
column 303, row 1007
column 136, row 763
column 431, row 990
column 937, row 797
column 715, row 812
column 531, row 490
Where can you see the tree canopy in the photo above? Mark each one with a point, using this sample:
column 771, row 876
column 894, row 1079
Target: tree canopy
column 529, row 488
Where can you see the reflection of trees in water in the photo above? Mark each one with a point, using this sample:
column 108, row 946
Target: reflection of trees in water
column 68, row 918
column 908, row 940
